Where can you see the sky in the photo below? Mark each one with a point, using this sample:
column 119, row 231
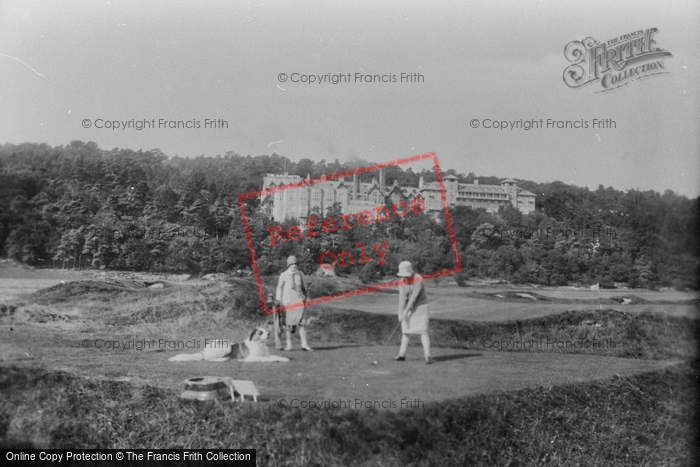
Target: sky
column 64, row 63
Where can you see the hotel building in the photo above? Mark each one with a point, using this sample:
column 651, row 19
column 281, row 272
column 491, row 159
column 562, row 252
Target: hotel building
column 354, row 196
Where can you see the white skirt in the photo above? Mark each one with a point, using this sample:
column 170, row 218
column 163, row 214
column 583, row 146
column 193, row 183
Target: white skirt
column 417, row 322
column 295, row 317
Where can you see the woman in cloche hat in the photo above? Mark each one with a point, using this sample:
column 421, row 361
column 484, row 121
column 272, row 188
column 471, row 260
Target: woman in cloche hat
column 292, row 289
column 414, row 314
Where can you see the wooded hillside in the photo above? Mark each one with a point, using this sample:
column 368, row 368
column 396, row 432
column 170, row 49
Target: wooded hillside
column 79, row 206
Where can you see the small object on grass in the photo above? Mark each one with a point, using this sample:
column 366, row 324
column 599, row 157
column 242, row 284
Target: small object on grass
column 374, row 362
column 218, row 387
column 243, row 388
column 206, row 388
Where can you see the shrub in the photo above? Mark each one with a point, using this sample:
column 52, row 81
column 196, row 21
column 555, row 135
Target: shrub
column 367, row 273
column 245, row 299
column 462, row 279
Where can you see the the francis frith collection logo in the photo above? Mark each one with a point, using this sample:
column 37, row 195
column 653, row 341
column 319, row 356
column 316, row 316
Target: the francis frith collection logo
column 614, row 63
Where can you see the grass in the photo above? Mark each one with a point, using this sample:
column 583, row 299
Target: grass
column 643, row 335
column 125, row 308
column 649, row 419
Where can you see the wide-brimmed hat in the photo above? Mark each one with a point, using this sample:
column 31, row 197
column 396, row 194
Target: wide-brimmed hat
column 405, row 269
column 291, row 260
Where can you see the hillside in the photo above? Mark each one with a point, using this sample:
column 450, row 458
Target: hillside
column 79, row 206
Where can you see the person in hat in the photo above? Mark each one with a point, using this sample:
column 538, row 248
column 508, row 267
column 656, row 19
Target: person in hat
column 414, row 314
column 292, row 289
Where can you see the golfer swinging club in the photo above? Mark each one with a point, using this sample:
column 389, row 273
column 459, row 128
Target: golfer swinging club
column 291, row 289
column 414, row 314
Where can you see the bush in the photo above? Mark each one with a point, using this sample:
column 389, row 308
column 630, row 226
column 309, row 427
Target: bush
column 322, row 287
column 245, row 299
column 367, row 273
column 462, row 279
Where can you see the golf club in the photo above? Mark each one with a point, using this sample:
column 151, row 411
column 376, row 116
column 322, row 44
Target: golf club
column 392, row 333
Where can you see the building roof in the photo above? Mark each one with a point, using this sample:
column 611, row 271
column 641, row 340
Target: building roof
column 478, row 188
column 367, row 187
column 522, row 191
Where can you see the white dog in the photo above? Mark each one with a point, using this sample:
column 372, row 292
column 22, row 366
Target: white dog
column 221, row 351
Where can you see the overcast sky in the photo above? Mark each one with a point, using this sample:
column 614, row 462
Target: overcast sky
column 63, row 62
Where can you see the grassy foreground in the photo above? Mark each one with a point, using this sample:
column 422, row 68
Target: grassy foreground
column 649, row 419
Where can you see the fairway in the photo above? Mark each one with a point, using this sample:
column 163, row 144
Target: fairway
column 451, row 302
column 335, row 372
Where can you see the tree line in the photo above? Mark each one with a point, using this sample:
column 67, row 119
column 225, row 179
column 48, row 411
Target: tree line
column 80, row 206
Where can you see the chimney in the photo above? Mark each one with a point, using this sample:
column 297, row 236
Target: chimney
column 421, row 183
column 476, row 181
column 382, row 180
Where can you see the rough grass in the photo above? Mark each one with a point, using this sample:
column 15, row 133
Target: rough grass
column 170, row 312
column 127, row 304
column 104, row 289
column 608, row 332
column 649, row 419
column 528, row 296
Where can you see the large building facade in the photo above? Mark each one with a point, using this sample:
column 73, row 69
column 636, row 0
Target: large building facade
column 489, row 197
column 353, row 196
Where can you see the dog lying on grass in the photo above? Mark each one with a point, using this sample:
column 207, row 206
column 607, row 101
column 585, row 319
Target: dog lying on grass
column 253, row 349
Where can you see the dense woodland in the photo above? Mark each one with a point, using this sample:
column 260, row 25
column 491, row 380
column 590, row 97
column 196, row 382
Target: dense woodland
column 79, row 206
